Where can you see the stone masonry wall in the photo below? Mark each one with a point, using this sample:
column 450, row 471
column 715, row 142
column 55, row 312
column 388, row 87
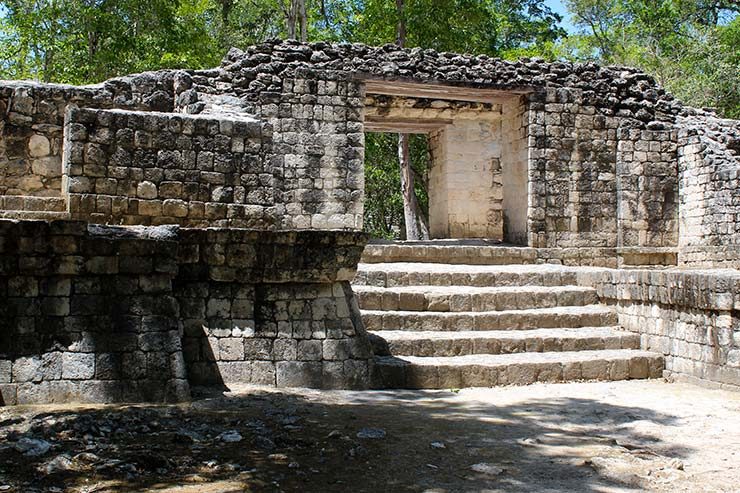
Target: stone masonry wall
column 111, row 314
column 318, row 141
column 709, row 173
column 275, row 311
column 692, row 317
column 572, row 171
column 166, row 168
column 515, row 170
column 647, row 187
column 88, row 314
column 33, row 119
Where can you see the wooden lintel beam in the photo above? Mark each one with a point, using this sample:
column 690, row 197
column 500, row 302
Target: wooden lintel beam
column 407, row 126
column 439, row 91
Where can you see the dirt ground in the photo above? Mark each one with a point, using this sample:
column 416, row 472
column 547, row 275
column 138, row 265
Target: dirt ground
column 584, row 437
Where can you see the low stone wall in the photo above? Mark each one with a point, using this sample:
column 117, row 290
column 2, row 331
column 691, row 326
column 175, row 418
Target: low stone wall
column 32, row 121
column 88, row 314
column 110, row 314
column 692, row 317
column 165, row 168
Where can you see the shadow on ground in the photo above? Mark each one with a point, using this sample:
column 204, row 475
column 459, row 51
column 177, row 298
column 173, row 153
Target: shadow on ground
column 308, row 441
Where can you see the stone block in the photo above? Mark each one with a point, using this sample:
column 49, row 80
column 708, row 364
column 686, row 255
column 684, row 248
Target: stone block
column 285, row 349
column 309, row 350
column 8, row 395
column 27, row 369
column 231, row 349
column 263, row 373
column 299, row 374
column 336, row 349
column 258, row 349
column 78, row 366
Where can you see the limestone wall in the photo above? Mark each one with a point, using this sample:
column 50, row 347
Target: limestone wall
column 572, row 171
column 30, row 143
column 110, row 314
column 515, row 171
column 317, row 155
column 88, row 315
column 272, row 309
column 709, row 167
column 692, row 317
column 165, row 168
column 647, row 187
column 465, row 181
column 32, row 123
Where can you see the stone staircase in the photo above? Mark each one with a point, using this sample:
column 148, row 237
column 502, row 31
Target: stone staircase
column 436, row 325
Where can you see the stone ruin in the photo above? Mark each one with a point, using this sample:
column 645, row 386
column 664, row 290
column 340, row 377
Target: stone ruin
column 189, row 228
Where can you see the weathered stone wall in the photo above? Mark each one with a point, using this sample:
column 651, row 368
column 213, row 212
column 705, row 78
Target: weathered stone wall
column 572, row 171
column 109, row 314
column 465, row 180
column 272, row 308
column 88, row 314
column 601, row 141
column 709, row 167
column 647, row 187
column 33, row 119
column 318, row 141
column 319, row 148
column 166, row 168
column 692, row 317
column 515, row 170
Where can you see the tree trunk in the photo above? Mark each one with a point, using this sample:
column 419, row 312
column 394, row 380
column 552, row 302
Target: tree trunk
column 415, row 228
column 303, row 20
column 290, row 17
column 410, row 204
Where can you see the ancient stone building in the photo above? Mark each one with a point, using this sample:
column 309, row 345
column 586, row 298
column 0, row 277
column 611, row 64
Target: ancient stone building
column 179, row 228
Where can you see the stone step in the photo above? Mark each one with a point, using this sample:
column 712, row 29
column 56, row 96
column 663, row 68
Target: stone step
column 428, row 343
column 558, row 317
column 30, row 203
column 388, row 275
column 475, row 299
column 475, row 252
column 477, row 370
column 35, row 215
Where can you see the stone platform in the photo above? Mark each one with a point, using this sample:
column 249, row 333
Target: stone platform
column 437, row 324
column 483, row 252
column 448, row 326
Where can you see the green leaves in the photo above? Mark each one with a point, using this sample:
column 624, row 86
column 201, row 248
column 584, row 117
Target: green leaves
column 82, row 41
column 690, row 46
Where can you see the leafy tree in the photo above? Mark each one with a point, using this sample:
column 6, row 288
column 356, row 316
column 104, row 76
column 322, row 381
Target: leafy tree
column 690, row 46
column 83, row 41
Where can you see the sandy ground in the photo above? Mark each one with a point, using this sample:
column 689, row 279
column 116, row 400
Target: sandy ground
column 584, row 437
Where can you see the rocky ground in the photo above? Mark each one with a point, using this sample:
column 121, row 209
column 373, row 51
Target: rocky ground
column 619, row 436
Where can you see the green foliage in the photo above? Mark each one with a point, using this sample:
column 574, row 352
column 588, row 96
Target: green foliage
column 383, row 199
column 690, row 46
column 466, row 26
column 81, row 41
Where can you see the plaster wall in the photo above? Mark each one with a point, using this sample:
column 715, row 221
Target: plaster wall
column 466, row 189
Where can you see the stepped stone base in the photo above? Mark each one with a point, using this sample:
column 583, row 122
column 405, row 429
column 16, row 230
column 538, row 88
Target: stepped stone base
column 482, row 252
column 435, row 325
column 515, row 369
